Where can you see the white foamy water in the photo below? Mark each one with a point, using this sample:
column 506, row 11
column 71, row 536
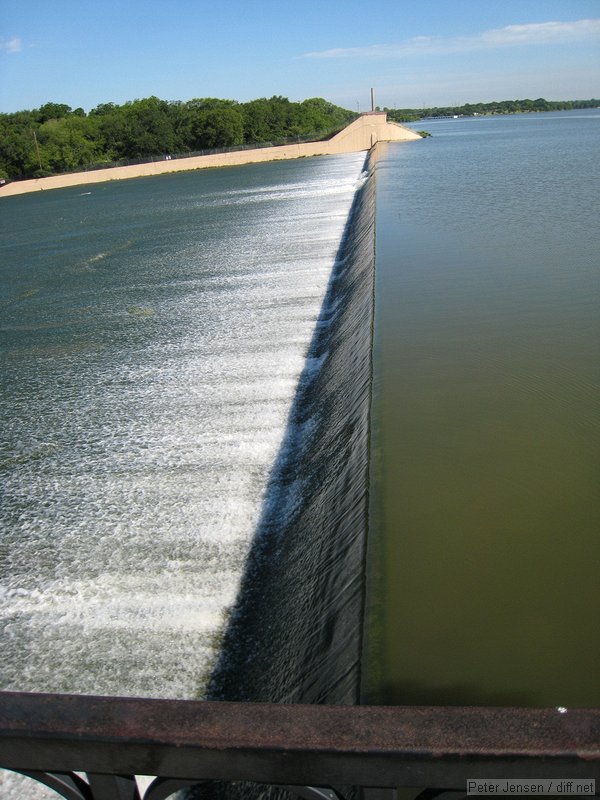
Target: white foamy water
column 152, row 356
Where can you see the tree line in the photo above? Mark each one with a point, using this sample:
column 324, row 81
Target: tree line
column 56, row 138
column 495, row 107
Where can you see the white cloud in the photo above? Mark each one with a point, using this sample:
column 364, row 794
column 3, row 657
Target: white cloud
column 14, row 45
column 512, row 35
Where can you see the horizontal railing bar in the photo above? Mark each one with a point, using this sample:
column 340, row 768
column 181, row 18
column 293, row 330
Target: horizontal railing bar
column 295, row 744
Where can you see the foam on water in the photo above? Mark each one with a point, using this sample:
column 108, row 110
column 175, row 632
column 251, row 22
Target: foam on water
column 308, row 553
column 140, row 437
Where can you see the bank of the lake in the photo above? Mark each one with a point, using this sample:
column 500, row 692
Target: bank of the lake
column 360, row 135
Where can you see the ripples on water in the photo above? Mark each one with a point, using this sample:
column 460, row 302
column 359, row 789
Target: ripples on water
column 153, row 335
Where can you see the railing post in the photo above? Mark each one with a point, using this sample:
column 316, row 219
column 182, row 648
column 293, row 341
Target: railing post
column 65, row 784
column 113, row 787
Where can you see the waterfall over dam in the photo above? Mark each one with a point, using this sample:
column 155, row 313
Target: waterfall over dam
column 153, row 377
column 295, row 633
column 176, row 384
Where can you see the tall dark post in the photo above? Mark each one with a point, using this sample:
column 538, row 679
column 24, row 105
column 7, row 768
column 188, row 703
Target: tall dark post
column 372, row 99
column 37, row 150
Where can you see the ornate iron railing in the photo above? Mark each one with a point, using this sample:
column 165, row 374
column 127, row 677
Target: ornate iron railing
column 309, row 750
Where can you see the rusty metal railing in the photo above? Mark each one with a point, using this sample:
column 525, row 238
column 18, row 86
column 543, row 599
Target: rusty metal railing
column 308, row 749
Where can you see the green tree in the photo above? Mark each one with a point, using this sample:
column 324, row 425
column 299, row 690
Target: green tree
column 103, row 110
column 217, row 127
column 17, row 145
column 68, row 144
column 53, row 111
column 145, row 128
column 256, row 121
column 320, row 115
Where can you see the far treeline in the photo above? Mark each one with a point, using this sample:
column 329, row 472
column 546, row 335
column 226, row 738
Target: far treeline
column 56, row 138
column 496, row 107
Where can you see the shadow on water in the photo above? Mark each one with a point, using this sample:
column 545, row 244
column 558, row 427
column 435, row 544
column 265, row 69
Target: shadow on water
column 414, row 693
column 294, row 634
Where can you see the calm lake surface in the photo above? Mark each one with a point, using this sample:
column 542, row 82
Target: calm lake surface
column 485, row 505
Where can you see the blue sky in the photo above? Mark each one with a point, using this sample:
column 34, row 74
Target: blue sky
column 86, row 52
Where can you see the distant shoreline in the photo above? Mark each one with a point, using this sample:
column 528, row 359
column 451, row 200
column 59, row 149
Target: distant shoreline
column 358, row 136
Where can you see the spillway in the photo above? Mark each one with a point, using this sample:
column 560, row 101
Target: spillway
column 171, row 353
column 295, row 633
column 154, row 333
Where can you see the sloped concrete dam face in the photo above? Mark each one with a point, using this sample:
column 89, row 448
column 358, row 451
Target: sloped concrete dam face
column 295, row 633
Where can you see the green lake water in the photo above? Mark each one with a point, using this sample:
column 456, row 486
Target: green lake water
column 485, row 494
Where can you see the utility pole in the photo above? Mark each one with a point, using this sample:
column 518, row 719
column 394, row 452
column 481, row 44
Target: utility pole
column 372, row 99
column 37, row 150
